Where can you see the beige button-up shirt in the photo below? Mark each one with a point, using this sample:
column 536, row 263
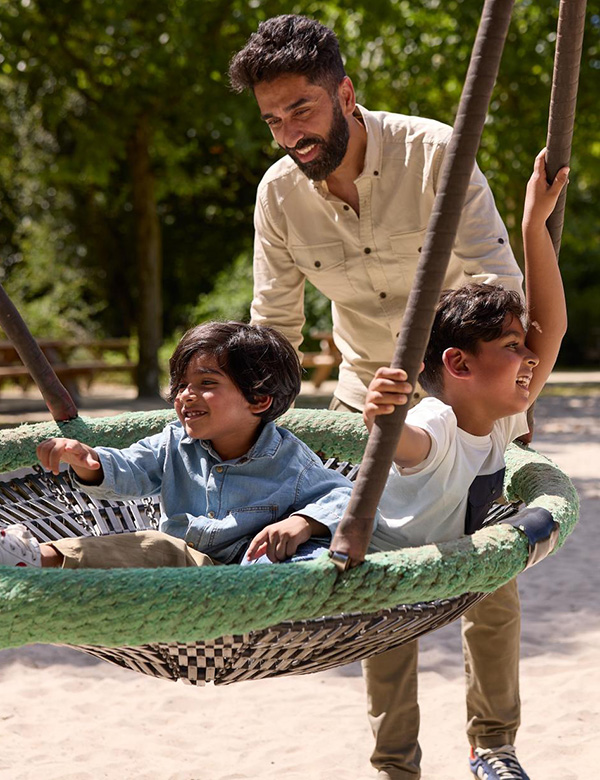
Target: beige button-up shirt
column 366, row 264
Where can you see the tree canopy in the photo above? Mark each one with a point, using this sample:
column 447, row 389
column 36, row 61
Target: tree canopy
column 129, row 169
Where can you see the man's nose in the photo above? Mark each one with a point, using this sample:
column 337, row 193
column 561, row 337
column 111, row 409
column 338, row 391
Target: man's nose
column 291, row 134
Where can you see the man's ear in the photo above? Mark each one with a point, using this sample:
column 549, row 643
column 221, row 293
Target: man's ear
column 455, row 363
column 261, row 404
column 346, row 96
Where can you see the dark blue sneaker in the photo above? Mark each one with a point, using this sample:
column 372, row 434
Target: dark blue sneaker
column 498, row 763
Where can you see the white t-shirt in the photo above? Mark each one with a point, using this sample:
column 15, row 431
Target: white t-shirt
column 453, row 486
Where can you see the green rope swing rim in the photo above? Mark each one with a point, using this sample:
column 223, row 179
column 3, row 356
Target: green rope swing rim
column 134, row 606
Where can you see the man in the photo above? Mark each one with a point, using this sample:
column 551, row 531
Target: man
column 347, row 208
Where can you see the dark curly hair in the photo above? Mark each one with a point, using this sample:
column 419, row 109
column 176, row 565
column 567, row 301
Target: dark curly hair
column 465, row 317
column 259, row 361
column 288, row 45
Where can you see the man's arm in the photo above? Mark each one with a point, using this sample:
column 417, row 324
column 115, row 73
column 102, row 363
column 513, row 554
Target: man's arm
column 482, row 245
column 546, row 306
column 278, row 284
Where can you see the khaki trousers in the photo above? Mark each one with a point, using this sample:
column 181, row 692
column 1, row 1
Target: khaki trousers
column 138, row 550
column 491, row 635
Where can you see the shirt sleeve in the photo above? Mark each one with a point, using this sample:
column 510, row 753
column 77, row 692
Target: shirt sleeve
column 439, row 423
column 510, row 428
column 131, row 472
column 482, row 245
column 322, row 494
column 278, row 283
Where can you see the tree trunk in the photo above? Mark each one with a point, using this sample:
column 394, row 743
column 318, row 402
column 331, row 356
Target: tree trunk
column 149, row 259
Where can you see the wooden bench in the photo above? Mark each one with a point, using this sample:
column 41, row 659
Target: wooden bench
column 72, row 360
column 322, row 362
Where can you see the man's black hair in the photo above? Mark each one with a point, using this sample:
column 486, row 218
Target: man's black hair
column 464, row 318
column 259, row 361
column 288, row 45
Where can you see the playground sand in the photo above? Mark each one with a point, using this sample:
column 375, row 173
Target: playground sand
column 66, row 716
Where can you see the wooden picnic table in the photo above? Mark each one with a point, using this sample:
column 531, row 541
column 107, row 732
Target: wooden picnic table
column 72, row 359
column 323, row 361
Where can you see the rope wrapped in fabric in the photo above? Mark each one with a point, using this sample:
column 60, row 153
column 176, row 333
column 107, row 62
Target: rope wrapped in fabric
column 135, row 607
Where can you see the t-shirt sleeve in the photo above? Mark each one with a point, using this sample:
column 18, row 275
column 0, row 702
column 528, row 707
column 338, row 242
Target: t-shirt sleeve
column 510, row 428
column 440, row 422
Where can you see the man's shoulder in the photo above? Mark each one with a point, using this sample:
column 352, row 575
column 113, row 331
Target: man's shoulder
column 281, row 178
column 398, row 128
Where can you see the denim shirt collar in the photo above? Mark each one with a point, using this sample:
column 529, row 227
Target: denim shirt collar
column 266, row 446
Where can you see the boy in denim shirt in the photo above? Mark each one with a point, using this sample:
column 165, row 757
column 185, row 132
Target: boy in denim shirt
column 233, row 486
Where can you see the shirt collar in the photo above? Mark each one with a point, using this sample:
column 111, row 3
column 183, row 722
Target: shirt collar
column 373, row 152
column 266, row 446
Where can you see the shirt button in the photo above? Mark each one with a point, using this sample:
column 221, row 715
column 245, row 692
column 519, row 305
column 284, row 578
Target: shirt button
column 367, row 250
column 211, row 514
column 383, row 295
column 190, row 544
column 500, row 240
column 375, row 173
column 346, row 207
column 419, row 249
column 219, row 469
column 317, row 263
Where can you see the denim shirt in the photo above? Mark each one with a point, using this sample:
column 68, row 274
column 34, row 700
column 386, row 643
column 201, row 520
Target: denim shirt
column 218, row 506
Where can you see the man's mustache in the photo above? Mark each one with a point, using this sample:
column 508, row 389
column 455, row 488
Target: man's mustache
column 302, row 144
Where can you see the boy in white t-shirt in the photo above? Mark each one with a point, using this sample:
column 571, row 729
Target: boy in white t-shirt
column 483, row 369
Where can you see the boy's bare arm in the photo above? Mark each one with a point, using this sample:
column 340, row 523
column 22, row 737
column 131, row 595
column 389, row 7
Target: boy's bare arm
column 544, row 288
column 387, row 390
column 82, row 458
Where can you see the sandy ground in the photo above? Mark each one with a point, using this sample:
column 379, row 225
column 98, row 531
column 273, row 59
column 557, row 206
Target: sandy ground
column 66, row 716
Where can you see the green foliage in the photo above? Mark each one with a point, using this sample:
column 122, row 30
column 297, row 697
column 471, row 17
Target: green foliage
column 78, row 76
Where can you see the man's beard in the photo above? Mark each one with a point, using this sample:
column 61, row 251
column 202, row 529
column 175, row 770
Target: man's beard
column 332, row 149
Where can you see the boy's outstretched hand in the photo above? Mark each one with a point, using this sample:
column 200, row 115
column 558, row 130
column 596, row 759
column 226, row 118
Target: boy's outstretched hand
column 280, row 540
column 83, row 459
column 541, row 197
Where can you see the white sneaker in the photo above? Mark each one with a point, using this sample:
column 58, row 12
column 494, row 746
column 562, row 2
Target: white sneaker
column 18, row 547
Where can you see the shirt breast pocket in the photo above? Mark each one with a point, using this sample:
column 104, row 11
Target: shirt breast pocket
column 406, row 253
column 256, row 517
column 325, row 266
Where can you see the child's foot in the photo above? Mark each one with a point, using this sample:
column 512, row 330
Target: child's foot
column 498, row 763
column 18, row 547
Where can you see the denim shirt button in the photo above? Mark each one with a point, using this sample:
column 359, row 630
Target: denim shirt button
column 210, row 514
column 190, row 544
column 219, row 469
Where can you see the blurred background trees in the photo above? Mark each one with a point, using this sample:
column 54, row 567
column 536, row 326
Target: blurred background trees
column 129, row 169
